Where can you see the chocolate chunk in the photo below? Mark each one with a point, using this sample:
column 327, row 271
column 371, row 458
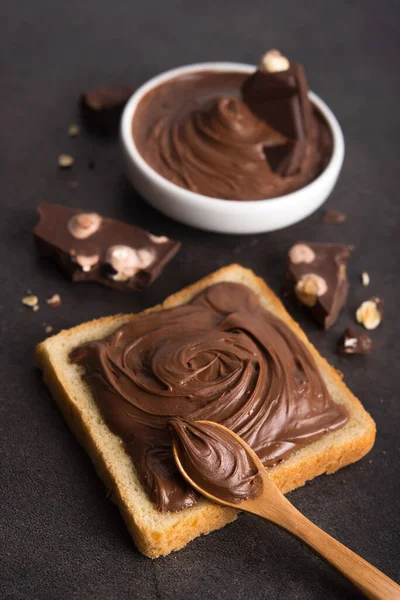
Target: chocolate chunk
column 88, row 247
column 285, row 160
column 316, row 275
column 352, row 342
column 101, row 107
column 281, row 99
column 333, row 216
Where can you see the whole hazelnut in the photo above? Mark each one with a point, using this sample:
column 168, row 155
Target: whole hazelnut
column 83, row 225
column 310, row 287
column 370, row 313
column 273, row 62
column 301, row 253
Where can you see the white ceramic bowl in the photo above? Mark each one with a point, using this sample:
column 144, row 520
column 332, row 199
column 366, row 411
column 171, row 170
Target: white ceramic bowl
column 226, row 216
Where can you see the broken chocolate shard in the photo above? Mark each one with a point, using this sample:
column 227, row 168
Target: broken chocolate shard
column 101, row 107
column 353, row 342
column 281, row 100
column 285, row 160
column 88, row 247
column 316, row 275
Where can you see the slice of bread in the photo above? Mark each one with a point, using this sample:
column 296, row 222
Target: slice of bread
column 158, row 533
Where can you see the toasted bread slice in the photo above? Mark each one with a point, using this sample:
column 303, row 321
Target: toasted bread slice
column 157, row 533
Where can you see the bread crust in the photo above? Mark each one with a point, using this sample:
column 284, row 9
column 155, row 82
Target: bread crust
column 156, row 533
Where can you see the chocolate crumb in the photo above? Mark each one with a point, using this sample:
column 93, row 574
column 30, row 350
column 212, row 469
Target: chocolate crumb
column 353, row 342
column 65, row 161
column 71, row 183
column 30, row 301
column 54, row 301
column 73, row 130
column 365, row 278
column 333, row 216
column 48, row 329
column 101, row 107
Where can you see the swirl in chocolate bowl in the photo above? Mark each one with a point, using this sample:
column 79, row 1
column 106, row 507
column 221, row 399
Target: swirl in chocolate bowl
column 221, row 357
column 234, row 136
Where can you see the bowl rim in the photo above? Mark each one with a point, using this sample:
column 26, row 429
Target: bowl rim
column 201, row 200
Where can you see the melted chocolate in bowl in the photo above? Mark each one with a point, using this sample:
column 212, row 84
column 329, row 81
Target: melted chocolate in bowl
column 221, row 358
column 196, row 131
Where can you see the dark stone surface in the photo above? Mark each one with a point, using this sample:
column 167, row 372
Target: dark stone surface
column 60, row 537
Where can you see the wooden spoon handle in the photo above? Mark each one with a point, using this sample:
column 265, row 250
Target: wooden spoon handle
column 372, row 582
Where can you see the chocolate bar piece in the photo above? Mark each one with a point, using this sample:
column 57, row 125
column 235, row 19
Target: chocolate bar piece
column 316, row 275
column 88, row 247
column 285, row 160
column 101, row 107
column 352, row 342
column 281, row 99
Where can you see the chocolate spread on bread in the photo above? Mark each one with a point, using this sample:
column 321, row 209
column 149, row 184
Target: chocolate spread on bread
column 221, row 357
column 215, row 461
column 233, row 136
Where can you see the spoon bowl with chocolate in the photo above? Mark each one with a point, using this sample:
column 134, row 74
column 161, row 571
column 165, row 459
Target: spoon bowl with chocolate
column 219, row 464
column 229, row 148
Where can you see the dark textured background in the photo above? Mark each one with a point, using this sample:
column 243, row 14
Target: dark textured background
column 60, row 537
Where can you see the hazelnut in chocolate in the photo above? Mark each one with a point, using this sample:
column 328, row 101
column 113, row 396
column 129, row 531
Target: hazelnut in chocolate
column 234, row 136
column 316, row 275
column 353, row 342
column 88, row 247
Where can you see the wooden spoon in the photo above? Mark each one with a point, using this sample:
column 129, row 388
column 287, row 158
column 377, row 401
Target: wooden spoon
column 273, row 506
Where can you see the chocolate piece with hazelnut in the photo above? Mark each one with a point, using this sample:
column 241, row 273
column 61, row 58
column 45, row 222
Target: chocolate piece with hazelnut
column 278, row 93
column 353, row 342
column 316, row 275
column 88, row 247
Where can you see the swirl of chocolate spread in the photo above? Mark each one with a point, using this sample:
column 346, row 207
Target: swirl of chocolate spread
column 198, row 131
column 215, row 461
column 221, row 357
